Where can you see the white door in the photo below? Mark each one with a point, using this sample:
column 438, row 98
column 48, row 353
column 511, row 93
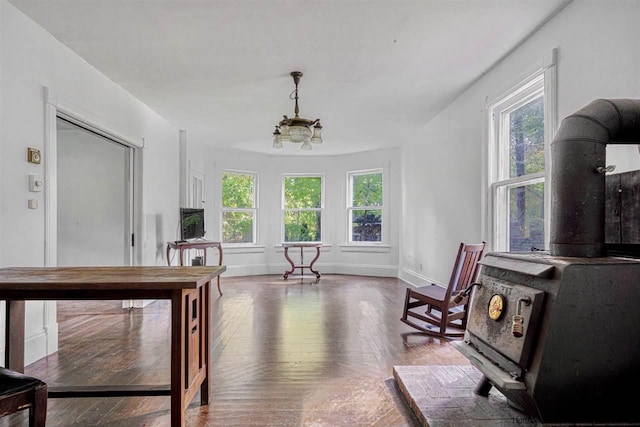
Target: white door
column 197, row 189
column 94, row 198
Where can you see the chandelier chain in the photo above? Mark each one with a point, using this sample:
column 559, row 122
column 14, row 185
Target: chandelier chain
column 294, row 95
column 297, row 129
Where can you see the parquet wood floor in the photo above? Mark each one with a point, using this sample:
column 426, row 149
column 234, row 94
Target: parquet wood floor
column 284, row 353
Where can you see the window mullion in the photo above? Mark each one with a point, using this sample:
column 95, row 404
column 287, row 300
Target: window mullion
column 521, row 180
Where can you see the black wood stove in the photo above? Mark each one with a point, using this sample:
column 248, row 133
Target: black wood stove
column 558, row 332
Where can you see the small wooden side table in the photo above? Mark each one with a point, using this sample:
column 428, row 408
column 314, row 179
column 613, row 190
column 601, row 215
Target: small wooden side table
column 302, row 265
column 181, row 247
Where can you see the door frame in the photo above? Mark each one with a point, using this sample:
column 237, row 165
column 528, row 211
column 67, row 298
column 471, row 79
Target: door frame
column 53, row 108
column 196, row 196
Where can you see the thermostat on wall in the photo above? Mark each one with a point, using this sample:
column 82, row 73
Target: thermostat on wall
column 33, row 155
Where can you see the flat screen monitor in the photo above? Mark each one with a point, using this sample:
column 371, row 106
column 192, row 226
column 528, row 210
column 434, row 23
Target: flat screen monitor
column 191, row 223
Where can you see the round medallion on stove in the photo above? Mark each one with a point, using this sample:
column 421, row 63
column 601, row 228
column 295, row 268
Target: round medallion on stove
column 496, row 307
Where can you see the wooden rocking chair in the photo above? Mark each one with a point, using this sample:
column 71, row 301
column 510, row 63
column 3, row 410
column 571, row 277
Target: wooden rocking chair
column 445, row 309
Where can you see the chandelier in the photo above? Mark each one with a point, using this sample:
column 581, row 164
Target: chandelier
column 297, row 129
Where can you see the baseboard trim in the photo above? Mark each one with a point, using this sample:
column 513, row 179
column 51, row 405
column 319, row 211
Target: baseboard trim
column 35, row 346
column 350, row 269
column 416, row 279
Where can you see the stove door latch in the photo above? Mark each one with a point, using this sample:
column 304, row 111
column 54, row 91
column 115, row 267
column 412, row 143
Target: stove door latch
column 464, row 293
column 517, row 321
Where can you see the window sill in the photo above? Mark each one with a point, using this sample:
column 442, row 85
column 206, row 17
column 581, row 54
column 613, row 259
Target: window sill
column 242, row 249
column 325, row 247
column 372, row 248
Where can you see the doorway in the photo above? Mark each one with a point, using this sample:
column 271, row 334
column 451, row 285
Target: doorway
column 196, row 193
column 94, row 198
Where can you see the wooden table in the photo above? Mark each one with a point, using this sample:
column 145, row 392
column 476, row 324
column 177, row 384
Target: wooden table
column 181, row 247
column 302, row 265
column 188, row 289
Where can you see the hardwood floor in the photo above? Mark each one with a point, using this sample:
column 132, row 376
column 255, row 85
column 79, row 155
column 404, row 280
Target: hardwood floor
column 285, row 353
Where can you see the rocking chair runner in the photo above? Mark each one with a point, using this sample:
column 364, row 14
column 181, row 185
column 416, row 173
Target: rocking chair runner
column 445, row 309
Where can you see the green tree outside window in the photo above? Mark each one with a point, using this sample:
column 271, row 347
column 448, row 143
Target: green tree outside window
column 302, row 211
column 366, row 207
column 238, row 207
column 526, row 156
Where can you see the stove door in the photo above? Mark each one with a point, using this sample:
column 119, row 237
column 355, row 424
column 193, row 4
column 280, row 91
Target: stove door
column 503, row 321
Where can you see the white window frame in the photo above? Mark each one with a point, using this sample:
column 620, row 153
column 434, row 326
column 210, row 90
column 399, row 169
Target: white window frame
column 382, row 207
column 541, row 82
column 254, row 210
column 320, row 209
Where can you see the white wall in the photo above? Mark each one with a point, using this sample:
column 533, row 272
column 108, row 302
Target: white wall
column 31, row 59
column 443, row 172
column 268, row 257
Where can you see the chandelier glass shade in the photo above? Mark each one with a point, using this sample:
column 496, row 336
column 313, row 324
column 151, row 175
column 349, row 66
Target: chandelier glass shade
column 296, row 129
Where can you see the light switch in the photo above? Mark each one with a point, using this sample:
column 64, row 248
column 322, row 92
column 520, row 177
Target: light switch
column 35, row 183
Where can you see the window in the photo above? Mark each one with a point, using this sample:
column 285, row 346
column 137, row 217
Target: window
column 519, row 134
column 239, row 207
column 365, row 206
column 302, row 206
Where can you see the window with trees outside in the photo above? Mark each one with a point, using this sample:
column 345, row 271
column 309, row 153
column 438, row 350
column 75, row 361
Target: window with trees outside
column 517, row 167
column 239, row 207
column 365, row 206
column 302, row 206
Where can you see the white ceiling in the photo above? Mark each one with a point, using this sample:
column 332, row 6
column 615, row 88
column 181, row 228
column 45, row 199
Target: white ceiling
column 375, row 71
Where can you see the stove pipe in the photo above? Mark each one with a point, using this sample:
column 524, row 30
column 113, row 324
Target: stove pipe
column 578, row 155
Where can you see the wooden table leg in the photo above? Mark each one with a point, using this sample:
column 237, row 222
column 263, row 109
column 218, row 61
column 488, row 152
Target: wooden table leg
column 182, row 247
column 14, row 335
column 317, row 273
column 187, row 373
column 205, row 325
column 204, row 262
column 178, row 362
column 293, row 266
column 219, row 263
